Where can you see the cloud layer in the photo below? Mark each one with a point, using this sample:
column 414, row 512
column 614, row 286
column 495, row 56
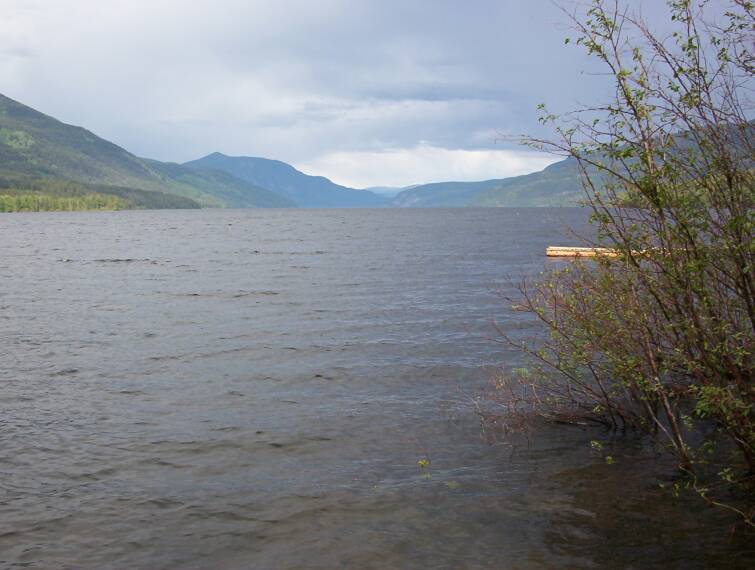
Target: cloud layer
column 369, row 92
column 402, row 167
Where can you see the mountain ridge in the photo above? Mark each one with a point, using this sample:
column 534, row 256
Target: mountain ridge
column 40, row 154
column 558, row 184
column 307, row 190
column 35, row 146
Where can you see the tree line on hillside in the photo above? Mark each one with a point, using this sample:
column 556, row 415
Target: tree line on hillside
column 47, row 203
column 30, row 194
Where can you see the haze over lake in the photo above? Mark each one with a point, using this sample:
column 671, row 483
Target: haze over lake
column 255, row 388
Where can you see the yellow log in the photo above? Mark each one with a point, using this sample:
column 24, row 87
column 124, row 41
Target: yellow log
column 559, row 251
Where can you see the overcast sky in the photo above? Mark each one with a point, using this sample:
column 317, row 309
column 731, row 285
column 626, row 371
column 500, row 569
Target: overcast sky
column 366, row 92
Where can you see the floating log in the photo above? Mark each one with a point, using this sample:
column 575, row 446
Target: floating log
column 560, row 251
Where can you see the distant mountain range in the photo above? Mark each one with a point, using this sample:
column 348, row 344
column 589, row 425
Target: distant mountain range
column 305, row 190
column 41, row 156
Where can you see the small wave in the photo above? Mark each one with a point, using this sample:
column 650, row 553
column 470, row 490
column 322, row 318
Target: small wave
column 115, row 260
column 66, row 372
column 317, row 252
column 224, row 294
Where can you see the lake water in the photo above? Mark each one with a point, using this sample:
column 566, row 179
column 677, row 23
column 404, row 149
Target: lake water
column 254, row 389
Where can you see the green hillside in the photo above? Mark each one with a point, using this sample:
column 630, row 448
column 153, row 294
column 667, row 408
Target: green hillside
column 442, row 194
column 36, row 148
column 19, row 193
column 557, row 185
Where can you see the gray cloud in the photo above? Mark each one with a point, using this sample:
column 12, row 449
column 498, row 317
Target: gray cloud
column 297, row 80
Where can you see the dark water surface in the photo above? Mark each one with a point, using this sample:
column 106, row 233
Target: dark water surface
column 254, row 389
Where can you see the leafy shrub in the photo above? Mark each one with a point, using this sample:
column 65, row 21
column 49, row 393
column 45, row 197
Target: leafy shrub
column 658, row 338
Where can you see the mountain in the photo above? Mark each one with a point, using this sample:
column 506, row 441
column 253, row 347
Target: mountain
column 42, row 153
column 228, row 190
column 307, row 191
column 442, row 194
column 557, row 185
column 41, row 156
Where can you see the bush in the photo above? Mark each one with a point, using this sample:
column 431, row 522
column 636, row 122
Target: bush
column 659, row 336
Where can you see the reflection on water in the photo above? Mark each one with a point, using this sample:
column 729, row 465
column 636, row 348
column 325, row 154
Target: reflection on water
column 254, row 389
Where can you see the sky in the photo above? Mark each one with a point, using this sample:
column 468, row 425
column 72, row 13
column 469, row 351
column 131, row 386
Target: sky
column 365, row 92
